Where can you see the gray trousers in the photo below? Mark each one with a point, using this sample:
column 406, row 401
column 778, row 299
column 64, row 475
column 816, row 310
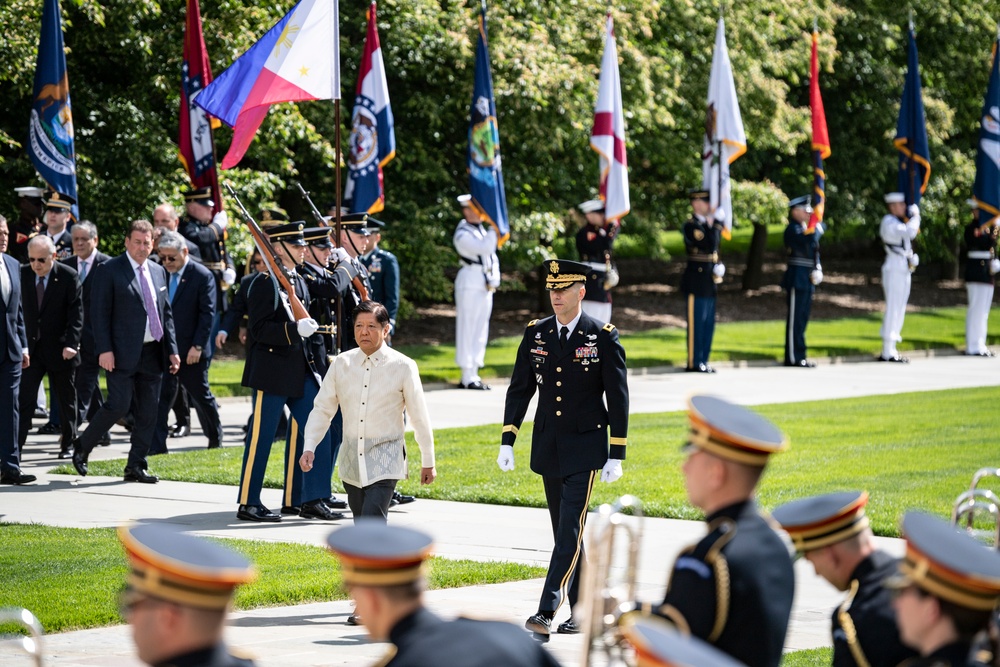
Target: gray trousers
column 371, row 501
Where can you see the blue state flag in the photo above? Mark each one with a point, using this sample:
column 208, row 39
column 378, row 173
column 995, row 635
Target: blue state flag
column 50, row 131
column 485, row 169
column 911, row 132
column 986, row 190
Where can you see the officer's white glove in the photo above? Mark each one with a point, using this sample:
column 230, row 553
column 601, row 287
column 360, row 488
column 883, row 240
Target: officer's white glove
column 994, row 266
column 612, row 471
column 914, row 260
column 720, row 214
column 339, row 255
column 913, row 211
column 229, row 276
column 719, row 270
column 610, row 279
column 816, row 277
column 221, row 219
column 306, row 327
column 506, row 458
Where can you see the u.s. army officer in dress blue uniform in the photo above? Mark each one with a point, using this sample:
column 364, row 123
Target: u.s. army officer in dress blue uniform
column 699, row 284
column 577, row 366
column 801, row 277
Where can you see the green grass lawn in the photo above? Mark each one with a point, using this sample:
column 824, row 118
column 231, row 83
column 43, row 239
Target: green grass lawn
column 929, row 329
column 816, row 657
column 70, row 577
column 909, row 451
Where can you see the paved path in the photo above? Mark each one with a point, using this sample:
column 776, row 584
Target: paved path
column 315, row 634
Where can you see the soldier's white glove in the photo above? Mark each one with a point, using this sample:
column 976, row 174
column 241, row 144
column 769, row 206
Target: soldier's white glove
column 339, row 255
column 610, row 279
column 229, row 276
column 914, row 260
column 719, row 270
column 816, row 277
column 913, row 211
column 221, row 219
column 720, row 214
column 994, row 266
column 506, row 458
column 612, row 471
column 306, row 327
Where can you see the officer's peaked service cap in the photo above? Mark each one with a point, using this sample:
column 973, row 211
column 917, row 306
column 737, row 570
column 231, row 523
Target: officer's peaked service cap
column 561, row 273
column 355, row 222
column 819, row 521
column 373, row 553
column 200, row 195
column 948, row 563
column 894, row 198
column 592, row 206
column 174, row 566
column 659, row 644
column 804, row 201
column 290, row 233
column 58, row 200
column 317, row 236
column 732, row 431
column 699, row 193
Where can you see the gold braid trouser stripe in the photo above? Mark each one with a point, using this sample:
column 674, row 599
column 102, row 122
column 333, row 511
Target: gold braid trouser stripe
column 850, row 632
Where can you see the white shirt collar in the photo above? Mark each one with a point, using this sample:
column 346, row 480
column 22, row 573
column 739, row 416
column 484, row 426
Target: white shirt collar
column 572, row 324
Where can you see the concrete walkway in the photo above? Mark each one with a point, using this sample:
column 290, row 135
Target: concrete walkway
column 315, row 634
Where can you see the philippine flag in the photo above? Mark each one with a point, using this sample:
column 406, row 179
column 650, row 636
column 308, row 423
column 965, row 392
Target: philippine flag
column 608, row 135
column 293, row 62
column 373, row 140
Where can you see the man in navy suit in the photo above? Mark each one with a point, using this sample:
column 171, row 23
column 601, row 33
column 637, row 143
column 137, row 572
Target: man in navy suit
column 53, row 317
column 135, row 343
column 191, row 291
column 13, row 357
column 86, row 257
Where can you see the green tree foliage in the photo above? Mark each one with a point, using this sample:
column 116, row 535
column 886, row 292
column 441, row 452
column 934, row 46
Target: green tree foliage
column 124, row 61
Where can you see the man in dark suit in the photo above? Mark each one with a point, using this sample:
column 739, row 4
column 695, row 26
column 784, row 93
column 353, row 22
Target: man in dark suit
column 576, row 364
column 702, row 275
column 13, row 358
column 52, row 300
column 191, row 290
column 135, row 343
column 86, row 257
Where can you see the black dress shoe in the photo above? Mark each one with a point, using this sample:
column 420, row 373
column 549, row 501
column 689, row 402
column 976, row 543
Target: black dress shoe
column 291, row 509
column 317, row 509
column 802, row 363
column 569, row 627
column 40, row 413
column 335, row 504
column 18, row 478
column 896, row 359
column 539, row 624
column 180, row 431
column 64, row 452
column 478, row 385
column 700, row 368
column 141, row 476
column 257, row 513
column 214, row 445
column 401, row 499
column 48, row 428
column 105, row 440
column 79, row 457
column 354, row 619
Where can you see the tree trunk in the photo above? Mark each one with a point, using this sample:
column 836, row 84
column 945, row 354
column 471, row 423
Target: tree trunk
column 754, row 274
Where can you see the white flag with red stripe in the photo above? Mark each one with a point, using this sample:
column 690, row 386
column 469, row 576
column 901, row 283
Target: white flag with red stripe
column 608, row 135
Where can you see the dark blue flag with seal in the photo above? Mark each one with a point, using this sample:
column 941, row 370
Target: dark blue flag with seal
column 50, row 131
column 986, row 191
column 485, row 169
column 911, row 132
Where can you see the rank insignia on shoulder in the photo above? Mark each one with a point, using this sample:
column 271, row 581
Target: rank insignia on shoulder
column 609, row 327
column 532, row 323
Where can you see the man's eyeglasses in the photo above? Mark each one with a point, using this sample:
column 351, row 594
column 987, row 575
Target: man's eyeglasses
column 39, row 260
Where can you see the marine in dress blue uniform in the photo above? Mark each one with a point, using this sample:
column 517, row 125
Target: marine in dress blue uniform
column 801, row 276
column 382, row 567
column 946, row 591
column 702, row 275
column 831, row 531
column 383, row 273
column 734, row 587
column 190, row 581
column 981, row 267
column 577, row 366
column 281, row 370
column 595, row 242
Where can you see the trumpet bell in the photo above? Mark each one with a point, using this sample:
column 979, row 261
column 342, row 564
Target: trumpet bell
column 30, row 644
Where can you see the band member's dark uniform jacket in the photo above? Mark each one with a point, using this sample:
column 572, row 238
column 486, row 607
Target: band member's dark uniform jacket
column 734, row 588
column 570, row 434
column 864, row 625
column 594, row 245
column 981, row 245
column 211, row 242
column 215, row 656
column 424, row 639
column 701, row 243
